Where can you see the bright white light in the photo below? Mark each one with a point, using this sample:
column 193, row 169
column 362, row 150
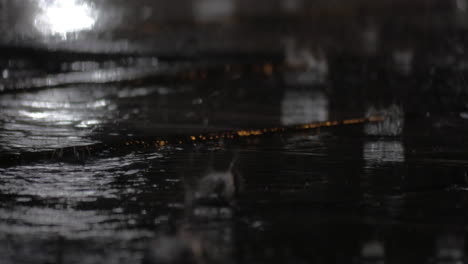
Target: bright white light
column 59, row 17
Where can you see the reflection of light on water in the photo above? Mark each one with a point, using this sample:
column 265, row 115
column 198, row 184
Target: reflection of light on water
column 50, row 219
column 298, row 107
column 88, row 123
column 58, row 117
column 62, row 117
column 101, row 75
column 59, row 112
column 52, row 118
column 59, row 17
column 69, row 223
column 72, row 184
column 381, row 152
column 76, row 183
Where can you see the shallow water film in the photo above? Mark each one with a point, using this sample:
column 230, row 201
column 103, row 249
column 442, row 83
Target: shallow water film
column 227, row 131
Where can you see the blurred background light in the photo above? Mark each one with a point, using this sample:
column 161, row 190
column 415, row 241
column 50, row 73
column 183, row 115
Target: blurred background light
column 58, row 18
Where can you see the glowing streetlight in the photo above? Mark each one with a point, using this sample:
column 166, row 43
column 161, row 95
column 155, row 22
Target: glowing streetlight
column 59, row 17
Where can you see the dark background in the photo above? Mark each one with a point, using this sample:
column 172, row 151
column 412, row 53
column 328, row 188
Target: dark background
column 88, row 87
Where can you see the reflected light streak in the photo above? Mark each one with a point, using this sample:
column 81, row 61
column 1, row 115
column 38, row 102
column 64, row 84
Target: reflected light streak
column 54, row 118
column 64, row 16
column 299, row 107
column 381, row 152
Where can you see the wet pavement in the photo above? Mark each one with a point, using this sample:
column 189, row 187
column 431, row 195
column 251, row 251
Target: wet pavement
column 95, row 167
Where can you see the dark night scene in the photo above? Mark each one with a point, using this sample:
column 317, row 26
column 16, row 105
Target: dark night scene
column 233, row 131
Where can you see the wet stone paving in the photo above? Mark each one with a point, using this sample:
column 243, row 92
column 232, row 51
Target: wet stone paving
column 216, row 132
